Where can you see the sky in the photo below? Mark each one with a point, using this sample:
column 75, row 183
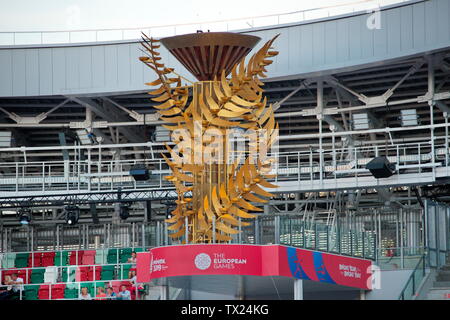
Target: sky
column 52, row 15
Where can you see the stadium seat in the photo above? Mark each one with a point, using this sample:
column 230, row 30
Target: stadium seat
column 73, row 258
column 125, row 254
column 48, row 259
column 88, row 257
column 71, row 291
column 30, row 292
column 8, row 260
column 44, row 292
column 107, row 272
column 37, row 276
column 100, row 256
column 82, row 274
column 98, row 272
column 61, row 258
column 112, row 257
column 58, row 291
column 51, row 275
column 55, row 291
column 37, row 261
column 125, row 269
column 21, row 260
column 68, row 274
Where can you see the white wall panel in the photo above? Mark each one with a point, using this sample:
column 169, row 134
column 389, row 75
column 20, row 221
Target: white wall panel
column 32, row 72
column 59, row 70
column 85, row 67
column 45, row 71
column 330, row 42
column 418, row 25
column 111, row 69
column 98, row 67
column 343, row 48
column 6, row 73
column 19, row 80
column 306, row 49
column 318, row 47
column 72, row 68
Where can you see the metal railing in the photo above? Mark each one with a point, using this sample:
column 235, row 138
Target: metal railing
column 98, row 35
column 415, row 162
column 411, row 288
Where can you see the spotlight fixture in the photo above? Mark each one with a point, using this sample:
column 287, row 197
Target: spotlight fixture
column 139, row 172
column 409, row 117
column 380, row 167
column 24, row 216
column 124, row 211
column 85, row 137
column 360, row 121
column 72, row 214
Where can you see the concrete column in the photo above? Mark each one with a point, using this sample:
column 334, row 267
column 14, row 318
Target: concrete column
column 240, row 294
column 164, row 295
column 298, row 289
column 414, row 231
column 362, row 295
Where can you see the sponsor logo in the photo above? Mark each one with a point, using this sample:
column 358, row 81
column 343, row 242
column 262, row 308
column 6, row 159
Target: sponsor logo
column 202, row 261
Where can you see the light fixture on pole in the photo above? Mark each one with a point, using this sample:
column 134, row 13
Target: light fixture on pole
column 24, row 216
column 124, row 212
column 72, row 214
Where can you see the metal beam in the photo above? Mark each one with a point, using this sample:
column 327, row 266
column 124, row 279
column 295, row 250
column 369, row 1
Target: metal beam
column 132, row 135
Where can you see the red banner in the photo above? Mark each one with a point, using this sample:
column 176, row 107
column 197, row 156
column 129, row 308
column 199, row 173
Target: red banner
column 253, row 260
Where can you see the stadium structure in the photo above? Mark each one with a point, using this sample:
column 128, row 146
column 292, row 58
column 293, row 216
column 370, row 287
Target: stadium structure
column 359, row 189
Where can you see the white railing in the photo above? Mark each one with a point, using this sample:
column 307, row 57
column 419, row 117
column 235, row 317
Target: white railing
column 247, row 23
column 314, row 167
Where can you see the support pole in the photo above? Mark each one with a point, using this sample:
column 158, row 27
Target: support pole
column 298, row 289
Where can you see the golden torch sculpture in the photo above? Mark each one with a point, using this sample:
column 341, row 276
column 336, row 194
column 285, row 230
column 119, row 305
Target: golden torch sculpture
column 203, row 117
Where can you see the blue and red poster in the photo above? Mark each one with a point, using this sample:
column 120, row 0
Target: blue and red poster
column 254, row 260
